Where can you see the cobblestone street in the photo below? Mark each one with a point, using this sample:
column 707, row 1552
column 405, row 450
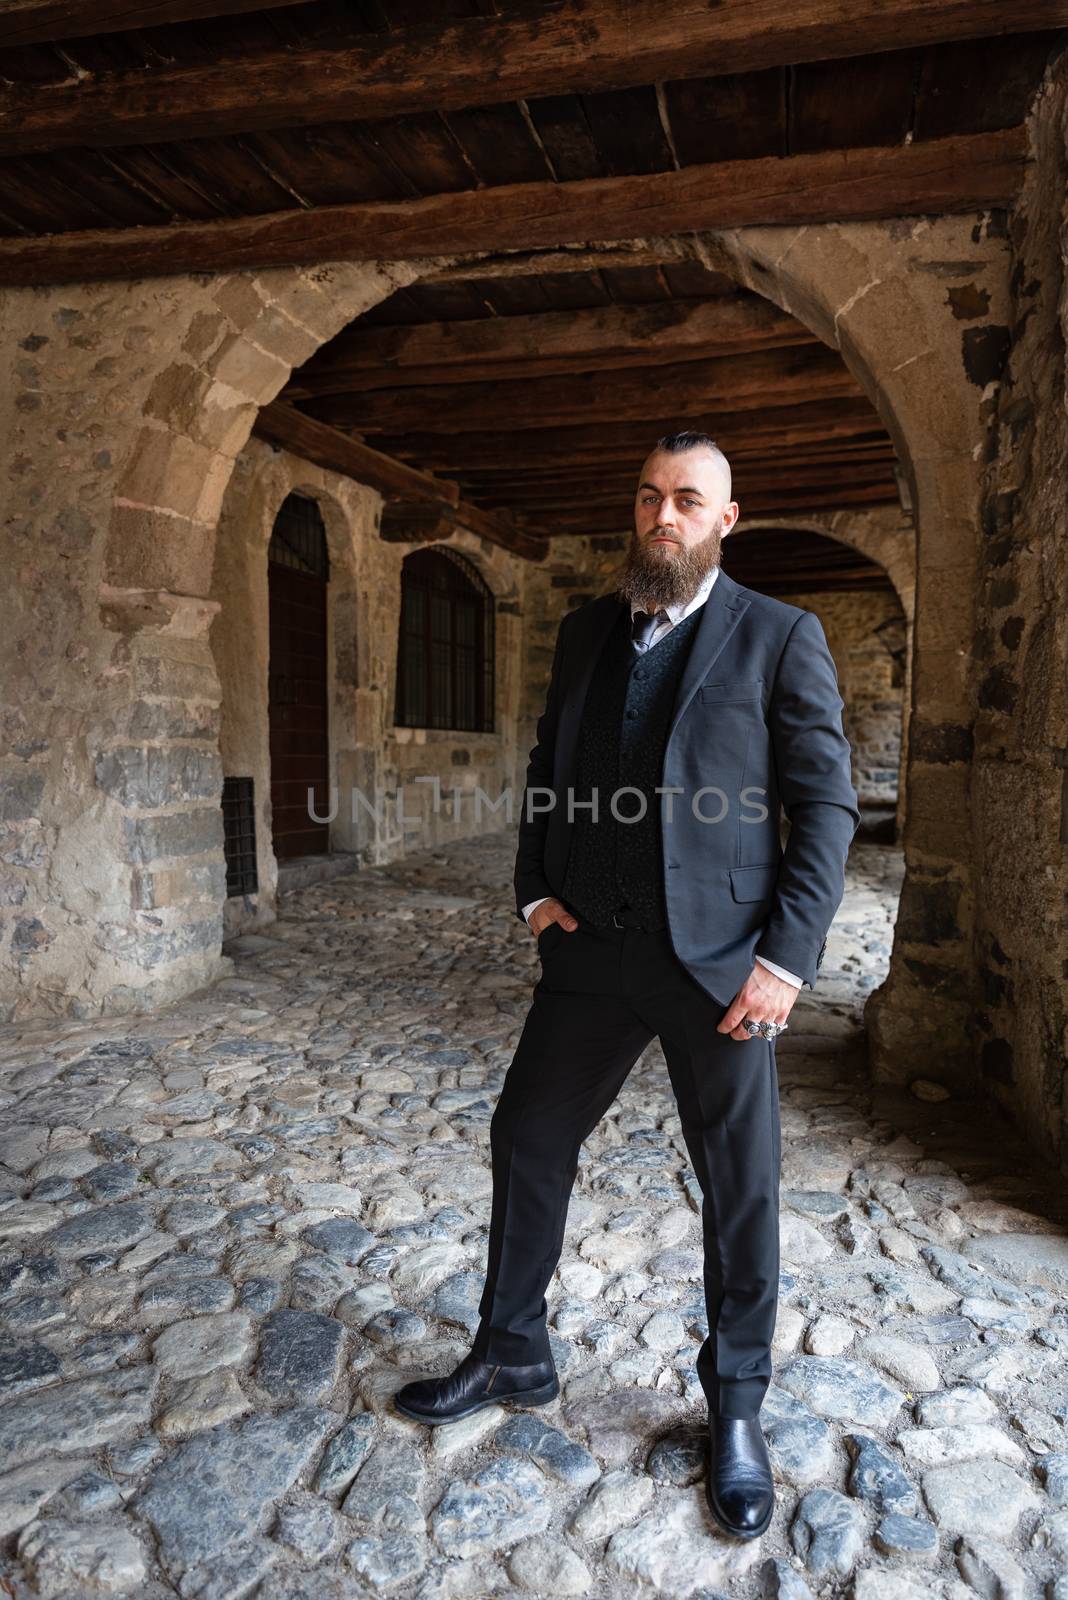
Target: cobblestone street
column 229, row 1231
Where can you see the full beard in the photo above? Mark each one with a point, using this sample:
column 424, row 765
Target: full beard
column 665, row 575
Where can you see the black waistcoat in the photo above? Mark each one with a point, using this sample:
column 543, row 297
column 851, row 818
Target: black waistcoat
column 625, row 725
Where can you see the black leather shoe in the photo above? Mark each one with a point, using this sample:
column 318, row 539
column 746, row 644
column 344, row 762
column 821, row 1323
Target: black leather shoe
column 740, row 1488
column 473, row 1385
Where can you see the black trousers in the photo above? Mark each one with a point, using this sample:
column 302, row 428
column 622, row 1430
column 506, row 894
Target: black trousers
column 601, row 998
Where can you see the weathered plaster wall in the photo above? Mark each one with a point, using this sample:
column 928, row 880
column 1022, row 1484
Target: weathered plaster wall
column 368, row 752
column 1020, row 758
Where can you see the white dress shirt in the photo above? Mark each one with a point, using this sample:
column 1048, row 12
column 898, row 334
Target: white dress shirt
column 675, row 614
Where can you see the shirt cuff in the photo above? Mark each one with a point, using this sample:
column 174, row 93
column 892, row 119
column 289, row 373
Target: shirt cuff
column 781, row 972
column 529, row 907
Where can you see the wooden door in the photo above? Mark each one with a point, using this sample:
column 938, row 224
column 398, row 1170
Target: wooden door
column 297, row 577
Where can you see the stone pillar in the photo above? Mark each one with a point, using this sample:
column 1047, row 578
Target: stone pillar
column 1020, row 747
column 154, row 749
column 918, row 308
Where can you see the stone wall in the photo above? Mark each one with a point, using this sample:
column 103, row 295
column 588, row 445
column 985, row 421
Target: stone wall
column 125, row 407
column 369, row 754
column 866, row 636
column 1019, row 760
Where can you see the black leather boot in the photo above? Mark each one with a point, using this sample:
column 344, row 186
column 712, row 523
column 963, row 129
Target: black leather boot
column 740, row 1488
column 473, row 1385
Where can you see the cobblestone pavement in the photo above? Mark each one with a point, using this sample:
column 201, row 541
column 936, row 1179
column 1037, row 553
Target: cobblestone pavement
column 229, row 1231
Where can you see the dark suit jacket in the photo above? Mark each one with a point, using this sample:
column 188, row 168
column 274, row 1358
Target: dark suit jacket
column 758, row 717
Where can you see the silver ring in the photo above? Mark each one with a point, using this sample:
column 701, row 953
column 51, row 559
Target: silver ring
column 766, row 1030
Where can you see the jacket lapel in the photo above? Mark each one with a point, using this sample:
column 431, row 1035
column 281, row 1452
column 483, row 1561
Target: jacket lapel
column 719, row 617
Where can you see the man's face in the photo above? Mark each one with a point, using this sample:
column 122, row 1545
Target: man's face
column 681, row 514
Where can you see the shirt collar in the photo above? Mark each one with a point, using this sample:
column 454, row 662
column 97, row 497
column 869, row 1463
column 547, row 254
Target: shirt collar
column 678, row 612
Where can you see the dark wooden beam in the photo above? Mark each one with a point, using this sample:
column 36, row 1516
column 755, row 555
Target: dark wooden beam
column 485, row 482
column 776, row 428
column 607, row 520
column 583, row 46
column 546, row 344
column 415, row 522
column 282, row 425
column 38, row 21
column 737, row 383
column 553, row 490
column 961, row 174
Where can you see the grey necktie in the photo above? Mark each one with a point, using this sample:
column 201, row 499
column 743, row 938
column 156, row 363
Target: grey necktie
column 644, row 626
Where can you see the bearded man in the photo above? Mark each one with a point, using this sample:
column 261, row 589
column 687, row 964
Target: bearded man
column 684, row 713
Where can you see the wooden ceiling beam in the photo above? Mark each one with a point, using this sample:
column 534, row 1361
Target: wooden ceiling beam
column 551, row 49
column 40, row 21
column 560, row 499
column 533, row 497
column 533, row 470
column 960, row 174
column 288, row 428
column 605, row 520
column 283, row 425
column 485, row 480
column 774, row 428
column 740, row 383
column 545, row 344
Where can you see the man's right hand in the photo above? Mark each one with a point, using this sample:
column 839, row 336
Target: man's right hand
column 551, row 910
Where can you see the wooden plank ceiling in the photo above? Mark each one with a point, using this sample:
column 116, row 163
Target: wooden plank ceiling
column 143, row 136
column 536, row 397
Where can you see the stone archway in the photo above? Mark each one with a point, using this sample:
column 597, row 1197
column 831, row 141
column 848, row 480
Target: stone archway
column 892, row 298
column 368, row 754
column 239, row 642
column 132, row 401
column 887, row 537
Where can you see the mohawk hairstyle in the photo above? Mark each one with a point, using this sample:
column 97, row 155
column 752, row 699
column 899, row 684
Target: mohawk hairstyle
column 690, row 439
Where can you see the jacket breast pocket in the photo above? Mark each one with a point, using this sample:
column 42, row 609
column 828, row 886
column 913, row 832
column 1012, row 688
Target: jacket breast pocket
column 725, row 693
column 754, row 883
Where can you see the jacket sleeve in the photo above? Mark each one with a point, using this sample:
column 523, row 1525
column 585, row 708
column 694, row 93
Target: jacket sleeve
column 529, row 878
column 813, row 769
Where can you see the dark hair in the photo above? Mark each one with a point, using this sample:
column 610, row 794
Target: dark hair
column 676, row 443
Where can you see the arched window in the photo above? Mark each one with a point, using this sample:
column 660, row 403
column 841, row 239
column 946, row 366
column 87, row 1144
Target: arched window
column 445, row 650
column 298, row 538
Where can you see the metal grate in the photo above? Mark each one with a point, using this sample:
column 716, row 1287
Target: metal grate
column 445, row 660
column 298, row 539
column 239, row 836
